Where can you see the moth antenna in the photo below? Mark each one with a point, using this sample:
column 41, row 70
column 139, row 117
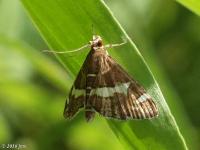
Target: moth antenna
column 75, row 50
column 116, row 45
column 93, row 29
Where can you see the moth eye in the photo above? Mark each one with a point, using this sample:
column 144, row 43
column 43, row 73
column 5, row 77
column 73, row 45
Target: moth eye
column 99, row 44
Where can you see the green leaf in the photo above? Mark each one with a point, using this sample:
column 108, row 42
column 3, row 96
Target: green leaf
column 44, row 65
column 67, row 25
column 193, row 5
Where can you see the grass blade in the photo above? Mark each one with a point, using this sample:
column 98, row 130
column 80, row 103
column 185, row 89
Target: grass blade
column 193, row 5
column 66, row 25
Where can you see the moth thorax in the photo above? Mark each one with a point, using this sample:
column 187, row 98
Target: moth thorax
column 96, row 42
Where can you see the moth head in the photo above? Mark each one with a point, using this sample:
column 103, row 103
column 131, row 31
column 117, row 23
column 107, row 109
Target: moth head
column 96, row 42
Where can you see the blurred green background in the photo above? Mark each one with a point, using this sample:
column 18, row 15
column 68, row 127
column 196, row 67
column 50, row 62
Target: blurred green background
column 34, row 86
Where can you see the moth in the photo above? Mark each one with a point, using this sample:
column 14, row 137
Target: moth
column 103, row 86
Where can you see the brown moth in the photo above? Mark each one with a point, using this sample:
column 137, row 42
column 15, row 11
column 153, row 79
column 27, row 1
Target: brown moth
column 103, row 86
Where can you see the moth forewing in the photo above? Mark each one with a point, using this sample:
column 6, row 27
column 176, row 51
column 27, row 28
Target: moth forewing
column 104, row 86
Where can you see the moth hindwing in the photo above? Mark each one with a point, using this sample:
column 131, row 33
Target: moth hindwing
column 103, row 86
